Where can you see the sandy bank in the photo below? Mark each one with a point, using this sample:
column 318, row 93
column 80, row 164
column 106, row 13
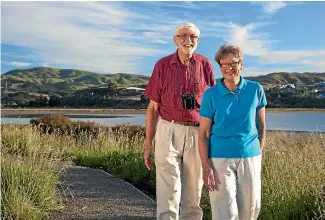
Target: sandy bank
column 31, row 112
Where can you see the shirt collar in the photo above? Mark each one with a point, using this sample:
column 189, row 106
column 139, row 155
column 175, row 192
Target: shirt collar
column 224, row 91
column 175, row 58
column 242, row 83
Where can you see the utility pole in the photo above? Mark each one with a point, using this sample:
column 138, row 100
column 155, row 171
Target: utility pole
column 6, row 86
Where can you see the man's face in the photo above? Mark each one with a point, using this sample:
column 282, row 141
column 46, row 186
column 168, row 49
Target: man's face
column 186, row 40
column 230, row 67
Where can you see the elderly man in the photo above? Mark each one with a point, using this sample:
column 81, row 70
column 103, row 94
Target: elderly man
column 175, row 91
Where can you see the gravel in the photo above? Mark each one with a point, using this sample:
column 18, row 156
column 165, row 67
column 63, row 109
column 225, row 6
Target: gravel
column 93, row 194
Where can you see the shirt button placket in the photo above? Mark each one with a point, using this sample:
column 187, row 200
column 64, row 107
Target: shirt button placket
column 237, row 96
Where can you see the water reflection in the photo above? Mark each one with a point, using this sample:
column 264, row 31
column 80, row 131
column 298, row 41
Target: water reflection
column 275, row 121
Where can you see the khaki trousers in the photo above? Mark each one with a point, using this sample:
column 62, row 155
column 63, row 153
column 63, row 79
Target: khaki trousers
column 239, row 194
column 178, row 172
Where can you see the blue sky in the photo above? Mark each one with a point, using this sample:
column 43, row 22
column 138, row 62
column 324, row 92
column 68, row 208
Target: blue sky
column 129, row 37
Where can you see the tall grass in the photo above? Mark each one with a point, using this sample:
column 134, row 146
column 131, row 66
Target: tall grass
column 28, row 188
column 29, row 173
column 293, row 175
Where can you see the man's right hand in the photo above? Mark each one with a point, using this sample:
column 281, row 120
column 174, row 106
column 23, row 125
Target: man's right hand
column 147, row 155
column 151, row 123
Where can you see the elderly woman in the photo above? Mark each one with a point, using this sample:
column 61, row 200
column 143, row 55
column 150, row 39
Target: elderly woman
column 231, row 138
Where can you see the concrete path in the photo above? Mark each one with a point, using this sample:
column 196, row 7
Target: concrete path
column 96, row 195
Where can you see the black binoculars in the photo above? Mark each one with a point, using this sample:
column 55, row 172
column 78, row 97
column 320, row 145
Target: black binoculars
column 189, row 101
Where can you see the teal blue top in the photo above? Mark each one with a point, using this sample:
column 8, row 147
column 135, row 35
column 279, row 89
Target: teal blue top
column 234, row 133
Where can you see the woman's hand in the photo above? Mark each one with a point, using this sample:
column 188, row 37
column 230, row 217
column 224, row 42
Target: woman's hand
column 210, row 178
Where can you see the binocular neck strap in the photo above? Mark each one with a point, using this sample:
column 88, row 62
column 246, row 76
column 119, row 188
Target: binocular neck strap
column 179, row 77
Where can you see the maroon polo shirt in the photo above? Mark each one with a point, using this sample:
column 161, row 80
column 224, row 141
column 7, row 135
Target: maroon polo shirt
column 164, row 86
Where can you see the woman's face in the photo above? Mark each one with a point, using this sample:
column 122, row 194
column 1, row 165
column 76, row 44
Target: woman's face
column 230, row 67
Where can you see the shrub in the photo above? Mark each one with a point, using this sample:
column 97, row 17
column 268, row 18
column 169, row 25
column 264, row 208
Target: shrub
column 62, row 125
column 130, row 132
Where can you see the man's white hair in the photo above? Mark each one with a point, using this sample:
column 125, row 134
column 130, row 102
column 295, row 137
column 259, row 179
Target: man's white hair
column 187, row 25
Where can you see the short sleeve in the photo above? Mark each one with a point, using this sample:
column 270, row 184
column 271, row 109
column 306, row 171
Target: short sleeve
column 209, row 70
column 153, row 89
column 206, row 109
column 261, row 97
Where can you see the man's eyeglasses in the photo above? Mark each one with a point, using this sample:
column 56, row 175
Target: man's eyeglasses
column 184, row 36
column 225, row 65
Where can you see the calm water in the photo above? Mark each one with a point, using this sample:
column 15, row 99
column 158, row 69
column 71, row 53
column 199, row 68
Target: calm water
column 275, row 121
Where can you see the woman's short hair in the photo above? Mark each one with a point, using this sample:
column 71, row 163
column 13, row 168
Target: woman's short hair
column 187, row 25
column 229, row 49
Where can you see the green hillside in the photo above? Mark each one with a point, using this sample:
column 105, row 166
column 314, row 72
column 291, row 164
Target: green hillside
column 43, row 79
column 66, row 79
column 272, row 79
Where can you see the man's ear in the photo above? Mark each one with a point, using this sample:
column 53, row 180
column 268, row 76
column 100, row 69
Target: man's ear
column 242, row 65
column 174, row 38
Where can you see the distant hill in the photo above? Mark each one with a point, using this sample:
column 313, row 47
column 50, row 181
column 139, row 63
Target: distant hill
column 43, row 79
column 272, row 79
column 66, row 79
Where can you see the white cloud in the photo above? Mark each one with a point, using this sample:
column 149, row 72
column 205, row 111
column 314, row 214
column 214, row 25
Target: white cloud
column 183, row 5
column 254, row 71
column 18, row 64
column 273, row 7
column 157, row 37
column 243, row 37
column 161, row 42
column 259, row 45
column 297, row 57
column 270, row 7
column 86, row 35
column 102, row 37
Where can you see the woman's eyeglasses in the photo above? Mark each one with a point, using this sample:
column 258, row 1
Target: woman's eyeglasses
column 225, row 65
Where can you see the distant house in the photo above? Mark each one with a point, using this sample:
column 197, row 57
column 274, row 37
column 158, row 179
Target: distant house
column 131, row 91
column 87, row 95
column 299, row 86
column 312, row 90
column 320, row 84
column 320, row 96
column 9, row 103
column 287, row 86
